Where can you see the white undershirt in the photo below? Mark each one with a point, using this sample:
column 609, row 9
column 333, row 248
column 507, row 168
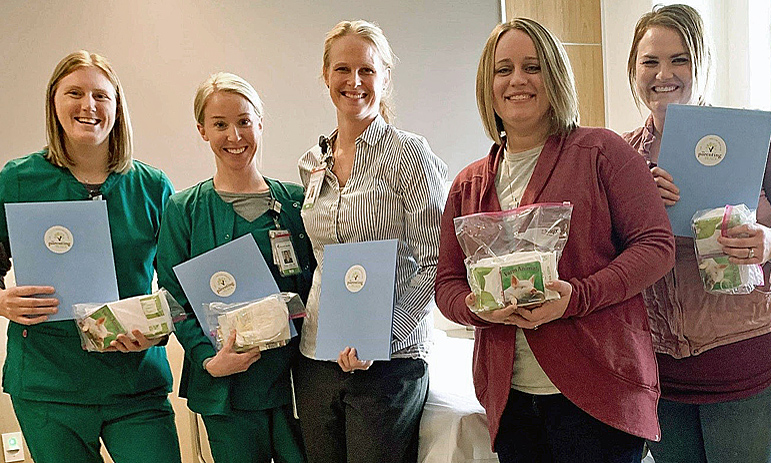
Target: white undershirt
column 513, row 176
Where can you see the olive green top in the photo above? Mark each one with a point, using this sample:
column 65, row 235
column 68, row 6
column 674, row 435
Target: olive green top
column 46, row 361
column 198, row 220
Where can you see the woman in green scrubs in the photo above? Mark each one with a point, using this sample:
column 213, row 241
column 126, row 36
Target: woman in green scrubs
column 245, row 398
column 65, row 398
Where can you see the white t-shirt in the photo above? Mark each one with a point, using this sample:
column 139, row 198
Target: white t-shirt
column 513, row 176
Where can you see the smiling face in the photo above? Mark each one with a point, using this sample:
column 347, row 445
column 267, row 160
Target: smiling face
column 519, row 94
column 663, row 68
column 85, row 104
column 233, row 130
column 356, row 78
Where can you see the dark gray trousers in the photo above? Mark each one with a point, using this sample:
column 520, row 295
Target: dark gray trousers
column 365, row 416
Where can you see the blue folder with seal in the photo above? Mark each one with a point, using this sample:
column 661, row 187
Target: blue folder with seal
column 231, row 273
column 67, row 245
column 716, row 156
column 356, row 304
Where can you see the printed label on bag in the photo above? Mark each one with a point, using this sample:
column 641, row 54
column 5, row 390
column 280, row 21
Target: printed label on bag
column 710, row 150
column 523, row 283
column 222, row 284
column 58, row 239
column 355, row 278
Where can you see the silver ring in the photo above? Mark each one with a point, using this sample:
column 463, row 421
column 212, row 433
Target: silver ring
column 751, row 253
column 535, row 327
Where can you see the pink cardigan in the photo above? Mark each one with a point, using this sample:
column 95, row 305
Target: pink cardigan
column 599, row 355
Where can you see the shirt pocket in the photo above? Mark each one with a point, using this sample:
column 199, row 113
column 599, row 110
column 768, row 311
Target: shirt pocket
column 386, row 211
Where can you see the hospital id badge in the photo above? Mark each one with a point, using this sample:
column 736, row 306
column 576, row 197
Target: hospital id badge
column 314, row 186
column 283, row 253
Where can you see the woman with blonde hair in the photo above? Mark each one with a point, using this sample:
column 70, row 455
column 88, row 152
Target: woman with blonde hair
column 67, row 399
column 244, row 397
column 374, row 182
column 573, row 380
column 712, row 350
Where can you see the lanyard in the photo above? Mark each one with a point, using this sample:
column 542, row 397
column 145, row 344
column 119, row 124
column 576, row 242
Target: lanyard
column 274, row 207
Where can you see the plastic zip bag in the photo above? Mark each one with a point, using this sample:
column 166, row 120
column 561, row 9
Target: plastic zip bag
column 718, row 275
column 261, row 323
column 100, row 324
column 511, row 254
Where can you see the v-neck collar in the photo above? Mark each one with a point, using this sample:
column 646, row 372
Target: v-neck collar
column 544, row 167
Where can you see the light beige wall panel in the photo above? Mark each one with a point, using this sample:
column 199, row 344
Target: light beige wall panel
column 8, row 421
column 586, row 61
column 578, row 24
column 573, row 21
column 183, row 416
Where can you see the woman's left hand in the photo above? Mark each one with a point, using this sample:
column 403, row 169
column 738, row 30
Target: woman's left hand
column 548, row 311
column 124, row 343
column 747, row 244
column 349, row 361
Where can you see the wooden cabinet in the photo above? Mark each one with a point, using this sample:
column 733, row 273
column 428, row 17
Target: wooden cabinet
column 578, row 24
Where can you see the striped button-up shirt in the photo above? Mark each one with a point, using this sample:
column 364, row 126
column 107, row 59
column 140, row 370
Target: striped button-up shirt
column 395, row 191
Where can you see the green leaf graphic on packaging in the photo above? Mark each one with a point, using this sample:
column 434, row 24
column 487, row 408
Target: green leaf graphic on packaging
column 489, row 283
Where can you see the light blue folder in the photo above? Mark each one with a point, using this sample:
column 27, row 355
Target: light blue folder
column 85, row 273
column 362, row 319
column 735, row 180
column 241, row 258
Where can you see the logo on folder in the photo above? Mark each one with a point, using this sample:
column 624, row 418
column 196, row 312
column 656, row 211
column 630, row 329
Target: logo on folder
column 58, row 239
column 355, row 278
column 710, row 150
column 222, row 284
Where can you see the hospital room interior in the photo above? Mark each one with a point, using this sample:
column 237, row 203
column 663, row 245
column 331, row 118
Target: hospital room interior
column 163, row 50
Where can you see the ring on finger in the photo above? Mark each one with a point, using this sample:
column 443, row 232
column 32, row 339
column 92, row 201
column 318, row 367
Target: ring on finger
column 750, row 253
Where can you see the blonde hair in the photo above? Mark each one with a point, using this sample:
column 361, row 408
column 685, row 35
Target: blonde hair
column 374, row 35
column 224, row 82
column 120, row 145
column 230, row 83
column 687, row 22
column 557, row 77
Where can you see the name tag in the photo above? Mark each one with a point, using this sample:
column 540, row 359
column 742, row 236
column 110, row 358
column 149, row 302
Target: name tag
column 314, row 186
column 284, row 255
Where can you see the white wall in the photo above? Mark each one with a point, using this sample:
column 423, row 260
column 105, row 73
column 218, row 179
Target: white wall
column 163, row 50
column 618, row 19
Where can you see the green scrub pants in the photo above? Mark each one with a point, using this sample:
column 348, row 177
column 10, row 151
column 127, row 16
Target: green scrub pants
column 135, row 431
column 255, row 436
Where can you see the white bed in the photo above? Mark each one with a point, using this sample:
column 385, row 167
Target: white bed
column 454, row 426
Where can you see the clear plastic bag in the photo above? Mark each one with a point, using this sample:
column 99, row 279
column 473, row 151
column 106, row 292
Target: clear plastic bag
column 511, row 254
column 100, row 324
column 718, row 275
column 261, row 323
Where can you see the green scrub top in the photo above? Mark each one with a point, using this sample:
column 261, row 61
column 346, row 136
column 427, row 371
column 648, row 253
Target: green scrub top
column 46, row 362
column 198, row 220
